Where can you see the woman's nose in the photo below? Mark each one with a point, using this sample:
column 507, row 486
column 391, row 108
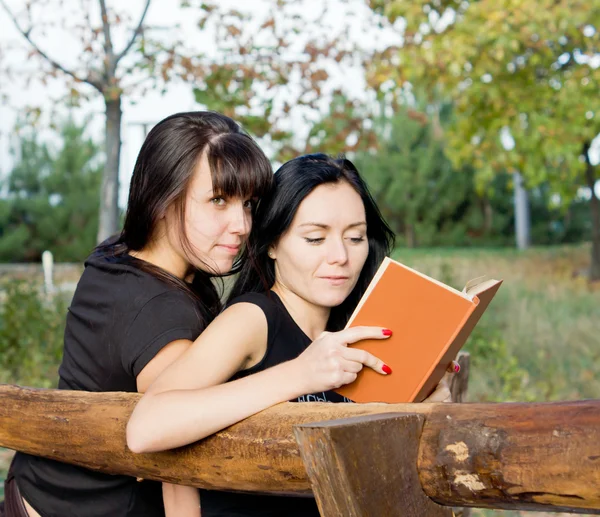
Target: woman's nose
column 241, row 220
column 337, row 253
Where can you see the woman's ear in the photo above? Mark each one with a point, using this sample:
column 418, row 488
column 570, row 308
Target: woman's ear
column 271, row 253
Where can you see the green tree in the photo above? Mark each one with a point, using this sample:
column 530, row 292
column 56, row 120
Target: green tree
column 417, row 189
column 52, row 199
column 522, row 68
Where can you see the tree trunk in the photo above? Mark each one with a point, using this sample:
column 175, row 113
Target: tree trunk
column 590, row 178
column 88, row 429
column 522, row 220
column 109, row 195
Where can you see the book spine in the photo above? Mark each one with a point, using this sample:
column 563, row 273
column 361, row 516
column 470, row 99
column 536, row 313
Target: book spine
column 422, row 389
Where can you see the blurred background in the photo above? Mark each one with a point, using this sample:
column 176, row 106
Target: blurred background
column 475, row 124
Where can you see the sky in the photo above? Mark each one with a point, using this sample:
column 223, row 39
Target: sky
column 140, row 110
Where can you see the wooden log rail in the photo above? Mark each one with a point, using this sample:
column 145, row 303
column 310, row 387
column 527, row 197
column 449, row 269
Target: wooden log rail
column 359, row 459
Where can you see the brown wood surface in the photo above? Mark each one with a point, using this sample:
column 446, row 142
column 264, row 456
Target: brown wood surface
column 513, row 456
column 458, row 389
column 88, row 429
column 367, row 466
column 522, row 456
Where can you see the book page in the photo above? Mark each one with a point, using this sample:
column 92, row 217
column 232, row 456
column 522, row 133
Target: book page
column 478, row 285
column 475, row 282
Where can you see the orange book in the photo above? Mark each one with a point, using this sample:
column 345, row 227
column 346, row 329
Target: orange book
column 430, row 322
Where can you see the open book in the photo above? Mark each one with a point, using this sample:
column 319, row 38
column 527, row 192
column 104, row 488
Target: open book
column 430, row 322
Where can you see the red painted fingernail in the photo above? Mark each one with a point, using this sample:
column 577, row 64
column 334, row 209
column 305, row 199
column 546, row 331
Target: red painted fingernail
column 457, row 367
column 386, row 332
column 386, row 369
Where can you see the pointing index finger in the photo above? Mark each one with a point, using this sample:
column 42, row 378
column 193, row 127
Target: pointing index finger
column 354, row 334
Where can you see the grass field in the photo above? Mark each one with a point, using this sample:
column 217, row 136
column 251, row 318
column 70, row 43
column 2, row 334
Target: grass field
column 540, row 338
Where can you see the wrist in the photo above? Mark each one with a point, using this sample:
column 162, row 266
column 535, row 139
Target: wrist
column 293, row 378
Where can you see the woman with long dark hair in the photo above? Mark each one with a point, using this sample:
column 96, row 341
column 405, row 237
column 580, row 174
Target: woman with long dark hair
column 317, row 241
column 146, row 295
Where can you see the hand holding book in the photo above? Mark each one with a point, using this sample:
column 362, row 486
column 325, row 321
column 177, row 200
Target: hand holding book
column 329, row 362
column 442, row 392
column 431, row 322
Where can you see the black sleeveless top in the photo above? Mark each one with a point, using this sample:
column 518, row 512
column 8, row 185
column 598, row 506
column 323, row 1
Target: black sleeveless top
column 285, row 341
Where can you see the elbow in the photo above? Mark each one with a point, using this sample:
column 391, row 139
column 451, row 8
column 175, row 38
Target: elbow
column 139, row 439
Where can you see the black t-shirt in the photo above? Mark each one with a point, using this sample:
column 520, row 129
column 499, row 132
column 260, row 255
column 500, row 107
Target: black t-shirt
column 285, row 341
column 119, row 319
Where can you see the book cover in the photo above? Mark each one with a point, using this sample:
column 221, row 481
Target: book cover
column 430, row 322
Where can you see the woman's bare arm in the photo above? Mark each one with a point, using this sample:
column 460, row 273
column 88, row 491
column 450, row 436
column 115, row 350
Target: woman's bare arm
column 189, row 401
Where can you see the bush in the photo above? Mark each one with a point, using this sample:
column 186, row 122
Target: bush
column 31, row 335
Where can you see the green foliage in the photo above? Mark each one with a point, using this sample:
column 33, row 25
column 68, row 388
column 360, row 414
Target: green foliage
column 414, row 183
column 343, row 129
column 551, row 223
column 523, row 65
column 52, row 199
column 31, row 335
column 429, row 202
column 555, row 224
column 490, row 353
column 5, row 457
column 523, row 79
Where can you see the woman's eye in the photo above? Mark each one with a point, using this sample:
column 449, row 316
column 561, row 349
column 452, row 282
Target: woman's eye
column 249, row 204
column 316, row 240
column 356, row 240
column 219, row 201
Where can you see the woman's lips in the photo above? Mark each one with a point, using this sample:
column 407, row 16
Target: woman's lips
column 233, row 249
column 335, row 279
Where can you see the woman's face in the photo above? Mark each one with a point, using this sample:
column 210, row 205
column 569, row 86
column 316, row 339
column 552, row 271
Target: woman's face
column 320, row 257
column 215, row 227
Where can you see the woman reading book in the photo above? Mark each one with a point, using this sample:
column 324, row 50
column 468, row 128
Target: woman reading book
column 316, row 243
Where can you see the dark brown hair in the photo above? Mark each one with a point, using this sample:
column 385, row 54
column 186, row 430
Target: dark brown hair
column 162, row 174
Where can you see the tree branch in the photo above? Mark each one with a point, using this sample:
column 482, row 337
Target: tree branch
column 108, row 46
column 52, row 62
column 136, row 33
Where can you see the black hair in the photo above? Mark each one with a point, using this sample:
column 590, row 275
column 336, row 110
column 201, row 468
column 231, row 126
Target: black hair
column 162, row 174
column 294, row 181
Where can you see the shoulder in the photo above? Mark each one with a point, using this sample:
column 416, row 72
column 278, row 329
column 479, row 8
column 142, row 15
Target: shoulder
column 265, row 302
column 118, row 282
column 246, row 313
column 239, row 333
column 113, row 293
column 247, row 318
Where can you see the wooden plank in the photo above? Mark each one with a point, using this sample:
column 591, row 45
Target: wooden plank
column 522, row 456
column 513, row 456
column 367, row 467
column 458, row 388
column 88, row 429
